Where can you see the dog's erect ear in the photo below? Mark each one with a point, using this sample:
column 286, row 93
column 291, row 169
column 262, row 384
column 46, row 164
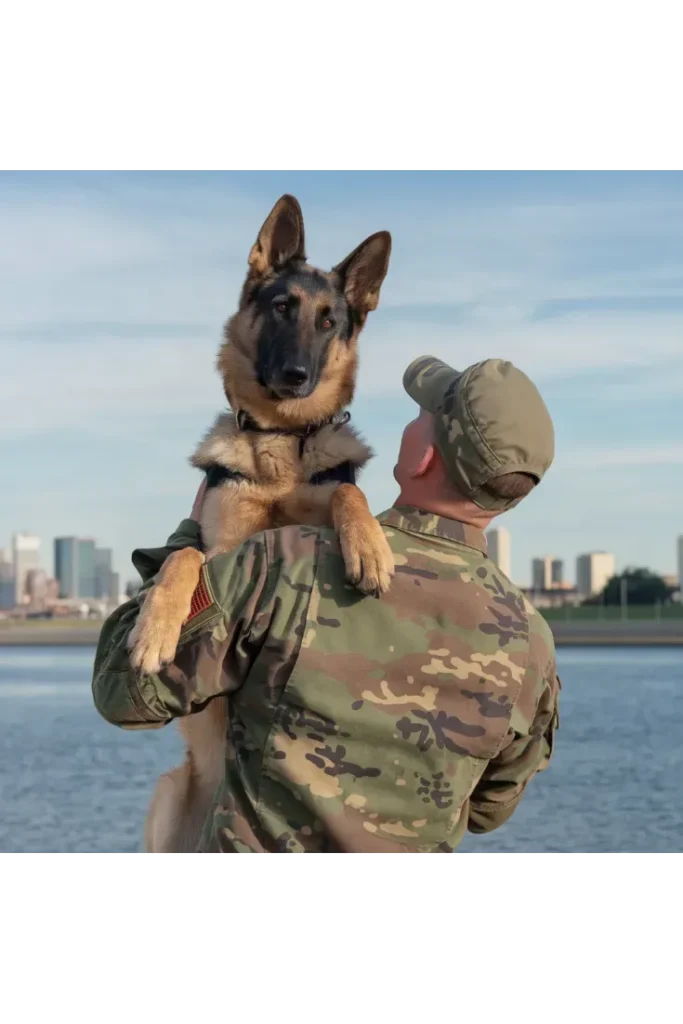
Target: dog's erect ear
column 363, row 271
column 281, row 238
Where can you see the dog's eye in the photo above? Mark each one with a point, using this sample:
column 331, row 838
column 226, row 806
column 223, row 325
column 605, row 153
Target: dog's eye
column 327, row 323
column 281, row 307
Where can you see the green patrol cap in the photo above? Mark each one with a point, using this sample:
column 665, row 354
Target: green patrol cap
column 489, row 420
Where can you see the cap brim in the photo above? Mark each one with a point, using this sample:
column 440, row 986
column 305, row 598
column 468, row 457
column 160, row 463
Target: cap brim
column 426, row 381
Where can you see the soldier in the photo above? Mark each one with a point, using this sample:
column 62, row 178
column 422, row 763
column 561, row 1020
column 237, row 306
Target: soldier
column 360, row 724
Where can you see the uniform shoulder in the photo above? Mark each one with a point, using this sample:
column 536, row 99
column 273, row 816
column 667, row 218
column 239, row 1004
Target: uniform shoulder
column 541, row 638
column 297, row 541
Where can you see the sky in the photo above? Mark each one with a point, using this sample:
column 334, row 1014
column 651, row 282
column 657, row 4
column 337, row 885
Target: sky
column 114, row 288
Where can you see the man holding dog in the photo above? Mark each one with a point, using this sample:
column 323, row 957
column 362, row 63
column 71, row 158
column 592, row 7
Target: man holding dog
column 364, row 725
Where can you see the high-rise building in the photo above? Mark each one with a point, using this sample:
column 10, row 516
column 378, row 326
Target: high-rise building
column 6, row 581
column 37, row 585
column 103, row 573
column 75, row 566
column 498, row 541
column 680, row 564
column 546, row 573
column 593, row 571
column 66, row 572
column 114, row 588
column 25, row 556
column 6, row 567
column 541, row 573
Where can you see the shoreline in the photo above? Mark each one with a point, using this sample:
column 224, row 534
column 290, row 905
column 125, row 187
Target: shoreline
column 643, row 633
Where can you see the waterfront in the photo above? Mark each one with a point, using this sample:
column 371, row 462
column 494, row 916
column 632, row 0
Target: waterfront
column 70, row 782
column 642, row 628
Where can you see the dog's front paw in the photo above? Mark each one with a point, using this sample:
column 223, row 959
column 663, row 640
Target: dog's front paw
column 153, row 641
column 368, row 558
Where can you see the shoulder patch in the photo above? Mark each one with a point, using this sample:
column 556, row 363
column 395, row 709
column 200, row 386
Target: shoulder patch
column 344, row 473
column 201, row 600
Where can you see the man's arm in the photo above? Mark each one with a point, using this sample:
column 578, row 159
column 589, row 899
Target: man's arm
column 528, row 751
column 217, row 643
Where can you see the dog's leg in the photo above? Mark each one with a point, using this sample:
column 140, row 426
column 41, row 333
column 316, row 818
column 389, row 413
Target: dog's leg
column 166, row 809
column 154, row 638
column 184, row 796
column 368, row 558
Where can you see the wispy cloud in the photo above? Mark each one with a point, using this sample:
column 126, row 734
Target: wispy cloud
column 114, row 290
column 601, row 458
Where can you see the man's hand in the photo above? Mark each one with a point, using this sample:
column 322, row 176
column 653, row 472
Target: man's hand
column 198, row 502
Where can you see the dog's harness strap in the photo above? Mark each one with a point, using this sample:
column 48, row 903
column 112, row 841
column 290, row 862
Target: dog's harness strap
column 344, row 473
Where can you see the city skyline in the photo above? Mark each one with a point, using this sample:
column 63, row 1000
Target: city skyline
column 80, row 570
column 115, row 286
column 546, row 571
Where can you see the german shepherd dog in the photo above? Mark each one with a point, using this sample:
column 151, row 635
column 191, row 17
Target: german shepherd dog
column 285, row 454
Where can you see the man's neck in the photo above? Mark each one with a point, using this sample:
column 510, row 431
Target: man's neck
column 461, row 511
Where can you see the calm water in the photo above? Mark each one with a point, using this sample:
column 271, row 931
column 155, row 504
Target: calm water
column 70, row 782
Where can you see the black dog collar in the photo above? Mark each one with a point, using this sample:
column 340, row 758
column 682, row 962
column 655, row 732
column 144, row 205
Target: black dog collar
column 247, row 423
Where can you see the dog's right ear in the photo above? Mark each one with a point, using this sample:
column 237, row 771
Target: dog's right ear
column 280, row 240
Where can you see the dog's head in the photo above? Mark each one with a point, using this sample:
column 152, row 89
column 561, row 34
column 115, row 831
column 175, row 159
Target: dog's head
column 290, row 351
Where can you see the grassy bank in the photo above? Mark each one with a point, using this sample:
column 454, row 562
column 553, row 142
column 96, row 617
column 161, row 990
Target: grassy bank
column 49, row 632
column 614, row 613
column 575, row 627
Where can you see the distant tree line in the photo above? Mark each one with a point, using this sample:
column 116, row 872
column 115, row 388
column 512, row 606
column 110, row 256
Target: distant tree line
column 634, row 586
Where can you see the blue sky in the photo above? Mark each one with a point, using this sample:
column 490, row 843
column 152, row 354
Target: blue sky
column 114, row 288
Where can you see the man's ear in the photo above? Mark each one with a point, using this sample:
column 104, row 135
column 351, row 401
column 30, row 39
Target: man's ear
column 363, row 271
column 425, row 463
column 280, row 240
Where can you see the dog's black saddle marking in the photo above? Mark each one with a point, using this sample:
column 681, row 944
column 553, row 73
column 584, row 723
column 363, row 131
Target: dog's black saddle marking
column 344, row 473
column 217, row 475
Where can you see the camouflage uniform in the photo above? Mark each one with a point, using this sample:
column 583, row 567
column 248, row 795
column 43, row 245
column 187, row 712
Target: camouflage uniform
column 356, row 724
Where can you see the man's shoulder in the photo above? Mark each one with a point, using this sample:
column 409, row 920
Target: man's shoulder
column 541, row 638
column 283, row 551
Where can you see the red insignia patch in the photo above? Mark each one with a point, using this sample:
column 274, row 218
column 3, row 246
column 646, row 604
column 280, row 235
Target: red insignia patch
column 201, row 600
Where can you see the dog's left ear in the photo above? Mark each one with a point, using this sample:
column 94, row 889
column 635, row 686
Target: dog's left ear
column 364, row 270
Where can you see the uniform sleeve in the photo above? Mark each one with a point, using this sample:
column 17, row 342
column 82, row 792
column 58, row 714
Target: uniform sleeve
column 148, row 561
column 227, row 627
column 505, row 778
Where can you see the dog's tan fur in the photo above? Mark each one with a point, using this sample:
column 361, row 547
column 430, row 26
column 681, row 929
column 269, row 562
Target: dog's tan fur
column 274, row 492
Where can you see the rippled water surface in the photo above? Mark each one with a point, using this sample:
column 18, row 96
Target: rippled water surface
column 70, row 782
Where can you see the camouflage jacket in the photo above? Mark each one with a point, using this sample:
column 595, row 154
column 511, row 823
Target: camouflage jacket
column 356, row 724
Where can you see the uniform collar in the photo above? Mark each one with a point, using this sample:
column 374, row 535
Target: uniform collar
column 416, row 520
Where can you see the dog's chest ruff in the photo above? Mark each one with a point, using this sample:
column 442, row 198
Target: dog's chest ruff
column 231, row 454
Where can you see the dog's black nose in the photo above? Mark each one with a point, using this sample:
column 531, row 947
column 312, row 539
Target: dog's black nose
column 294, row 375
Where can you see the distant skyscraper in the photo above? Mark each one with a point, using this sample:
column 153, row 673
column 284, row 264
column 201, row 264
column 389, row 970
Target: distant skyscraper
column 6, row 567
column 6, row 581
column 103, row 573
column 37, row 587
column 541, row 573
column 680, row 564
column 546, row 572
column 25, row 556
column 593, row 571
column 499, row 549
column 75, row 567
